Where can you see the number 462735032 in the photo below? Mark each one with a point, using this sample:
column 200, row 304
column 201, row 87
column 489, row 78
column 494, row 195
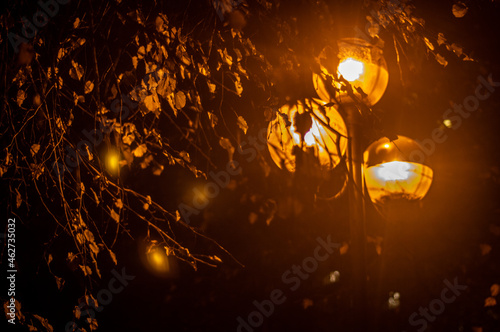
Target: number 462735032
column 11, row 240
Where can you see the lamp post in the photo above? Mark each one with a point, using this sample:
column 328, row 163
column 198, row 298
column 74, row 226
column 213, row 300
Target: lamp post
column 396, row 182
column 353, row 77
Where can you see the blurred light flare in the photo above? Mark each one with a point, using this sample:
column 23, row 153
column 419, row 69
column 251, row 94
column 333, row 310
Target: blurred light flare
column 394, row 300
column 351, row 69
column 158, row 260
column 113, row 162
column 334, row 276
column 447, row 123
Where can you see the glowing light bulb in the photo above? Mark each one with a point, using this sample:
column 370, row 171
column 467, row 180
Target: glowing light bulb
column 394, row 171
column 351, row 69
column 386, row 145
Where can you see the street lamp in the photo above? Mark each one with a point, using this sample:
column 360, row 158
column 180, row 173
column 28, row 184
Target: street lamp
column 354, row 75
column 397, row 176
column 391, row 172
column 359, row 63
column 307, row 125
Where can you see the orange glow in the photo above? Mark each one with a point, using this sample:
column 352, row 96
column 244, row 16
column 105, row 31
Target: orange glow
column 158, row 260
column 361, row 64
column 405, row 179
column 283, row 138
column 113, row 162
column 351, row 69
column 447, row 123
column 389, row 173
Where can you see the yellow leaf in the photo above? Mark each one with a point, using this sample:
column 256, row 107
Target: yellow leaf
column 225, row 143
column 89, row 86
column 119, row 203
column 182, row 54
column 242, row 124
column 86, row 270
column 141, row 52
column 459, row 9
column 429, row 44
column 113, row 256
column 457, row 49
column 140, row 150
column 211, row 87
column 88, row 235
column 490, row 302
column 159, row 24
column 441, row 60
column 115, row 216
column 77, row 312
column 180, row 100
column 152, row 102
column 237, row 84
column 441, row 40
column 94, row 248
column 76, row 72
column 216, row 258
column 60, row 282
column 34, row 149
column 158, row 170
column 495, row 289
column 21, row 96
column 80, row 238
column 145, row 163
column 45, row 323
column 19, row 200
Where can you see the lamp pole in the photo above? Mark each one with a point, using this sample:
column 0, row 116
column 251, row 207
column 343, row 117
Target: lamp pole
column 356, row 214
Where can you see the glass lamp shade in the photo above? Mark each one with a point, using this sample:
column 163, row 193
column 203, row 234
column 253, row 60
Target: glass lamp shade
column 391, row 171
column 326, row 135
column 359, row 63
